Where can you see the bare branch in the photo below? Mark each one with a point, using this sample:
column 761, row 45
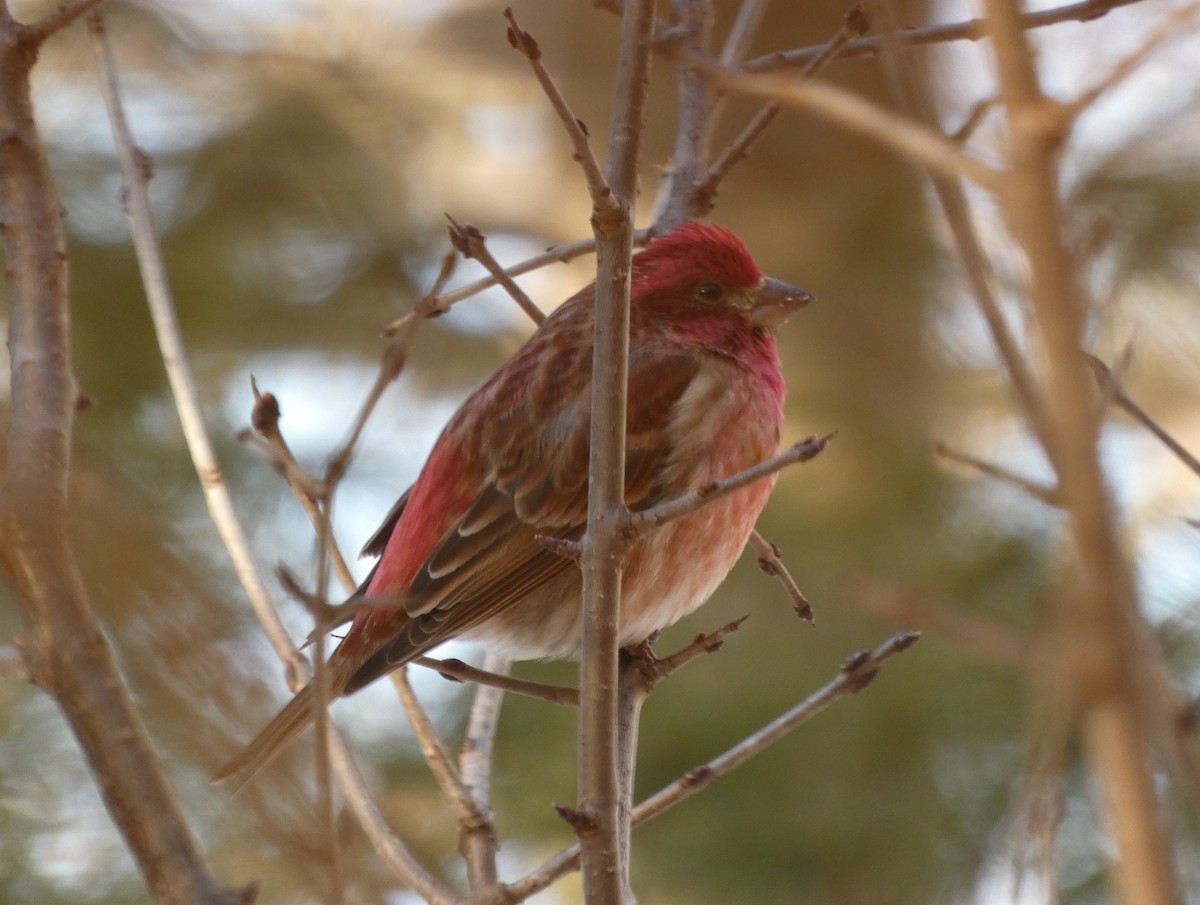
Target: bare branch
column 468, row 241
column 458, row 671
column 525, row 43
column 391, row 849
column 477, row 832
column 705, row 193
column 135, row 169
column 1112, row 386
column 1169, row 28
column 432, row 749
column 1051, row 496
column 856, row 673
column 915, row 142
column 771, row 562
column 638, row 523
column 969, row 30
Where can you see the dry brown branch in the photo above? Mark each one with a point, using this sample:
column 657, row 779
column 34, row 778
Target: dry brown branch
column 770, row 560
column 1110, row 662
column 911, row 140
column 856, row 673
column 638, row 523
column 969, row 30
column 1112, row 387
column 136, row 172
column 477, row 834
column 703, row 196
column 432, row 749
column 557, row 254
column 469, row 242
column 1048, row 495
column 527, row 46
column 458, row 671
column 63, row 645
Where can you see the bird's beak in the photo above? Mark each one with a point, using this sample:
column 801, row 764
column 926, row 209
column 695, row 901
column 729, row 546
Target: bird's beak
column 773, row 302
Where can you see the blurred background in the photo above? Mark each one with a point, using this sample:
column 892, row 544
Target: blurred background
column 304, row 155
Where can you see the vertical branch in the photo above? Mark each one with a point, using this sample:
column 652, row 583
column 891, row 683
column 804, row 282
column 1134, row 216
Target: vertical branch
column 64, row 645
column 605, row 866
column 694, row 131
column 135, row 171
column 1097, row 613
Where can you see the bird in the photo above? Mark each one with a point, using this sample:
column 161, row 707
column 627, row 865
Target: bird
column 464, row 553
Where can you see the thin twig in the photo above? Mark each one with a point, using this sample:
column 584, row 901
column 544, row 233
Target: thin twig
column 705, row 192
column 1051, row 496
column 390, row 848
column 1111, row 385
column 264, row 419
column 919, row 144
column 469, row 242
column 969, row 30
column 657, row 669
column 770, row 560
column 458, row 671
column 637, row 523
column 527, row 46
column 855, row 674
column 477, row 832
column 432, row 749
column 135, row 169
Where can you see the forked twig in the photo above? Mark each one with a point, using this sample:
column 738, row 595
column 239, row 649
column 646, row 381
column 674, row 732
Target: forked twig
column 856, row 673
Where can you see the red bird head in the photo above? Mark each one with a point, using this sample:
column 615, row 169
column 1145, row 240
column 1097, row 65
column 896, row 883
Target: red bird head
column 701, row 275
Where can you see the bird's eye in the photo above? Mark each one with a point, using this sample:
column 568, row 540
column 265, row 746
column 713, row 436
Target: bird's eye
column 710, row 292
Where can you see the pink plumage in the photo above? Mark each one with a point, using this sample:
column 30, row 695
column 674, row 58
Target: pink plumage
column 459, row 552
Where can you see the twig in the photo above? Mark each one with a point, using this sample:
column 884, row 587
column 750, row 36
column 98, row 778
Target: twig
column 391, row 849
column 854, row 675
column 697, row 113
column 656, row 669
column 477, row 832
column 135, row 171
column 1171, row 27
column 468, row 241
column 969, row 30
column 1111, row 385
column 1051, row 496
column 705, row 192
column 264, row 419
column 837, row 105
column 1111, row 660
column 432, row 749
column 638, row 523
column 458, row 671
column 524, row 42
column 771, row 562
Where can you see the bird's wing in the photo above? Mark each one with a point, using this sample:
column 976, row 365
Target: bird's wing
column 537, row 484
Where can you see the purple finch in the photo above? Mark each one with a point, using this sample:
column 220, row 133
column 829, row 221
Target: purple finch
column 459, row 553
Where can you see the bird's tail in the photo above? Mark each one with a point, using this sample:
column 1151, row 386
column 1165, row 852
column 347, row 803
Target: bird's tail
column 270, row 741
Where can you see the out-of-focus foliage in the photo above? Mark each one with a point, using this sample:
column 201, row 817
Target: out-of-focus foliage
column 304, row 155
